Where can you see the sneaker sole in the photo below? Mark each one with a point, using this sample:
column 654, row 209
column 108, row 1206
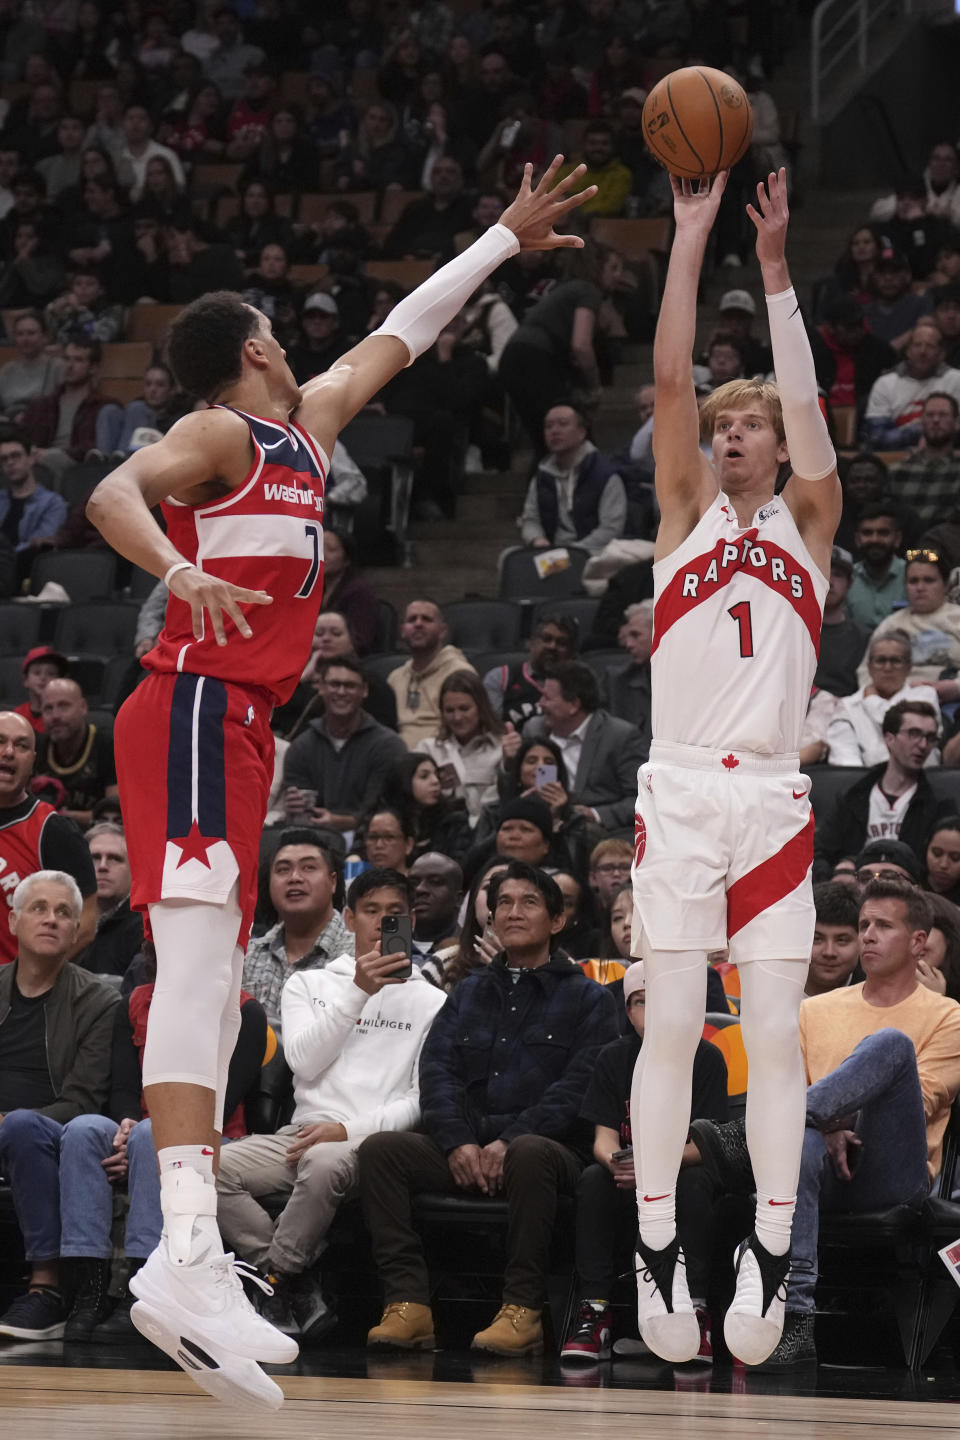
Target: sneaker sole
column 227, row 1377
column 512, row 1354
column 585, row 1357
column 17, row 1332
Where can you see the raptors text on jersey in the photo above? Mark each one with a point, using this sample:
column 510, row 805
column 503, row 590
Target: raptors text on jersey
column 736, row 633
column 265, row 535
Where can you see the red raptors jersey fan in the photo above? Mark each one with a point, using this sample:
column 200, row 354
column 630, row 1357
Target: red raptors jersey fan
column 265, row 535
column 736, row 633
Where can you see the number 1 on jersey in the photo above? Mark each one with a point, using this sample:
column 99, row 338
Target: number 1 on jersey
column 741, row 613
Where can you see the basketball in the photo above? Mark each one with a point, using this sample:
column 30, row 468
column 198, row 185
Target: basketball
column 697, row 121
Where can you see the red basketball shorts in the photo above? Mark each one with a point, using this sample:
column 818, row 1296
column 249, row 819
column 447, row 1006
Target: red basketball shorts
column 194, row 765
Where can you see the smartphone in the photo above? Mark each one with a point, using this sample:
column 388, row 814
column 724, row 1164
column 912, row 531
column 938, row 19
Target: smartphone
column 546, row 775
column 396, row 938
column 447, row 775
column 619, row 1155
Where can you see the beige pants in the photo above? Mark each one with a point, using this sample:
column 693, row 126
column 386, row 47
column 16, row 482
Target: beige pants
column 257, row 1166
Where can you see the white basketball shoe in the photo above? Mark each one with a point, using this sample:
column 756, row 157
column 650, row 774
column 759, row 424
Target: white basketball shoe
column 668, row 1321
column 754, row 1322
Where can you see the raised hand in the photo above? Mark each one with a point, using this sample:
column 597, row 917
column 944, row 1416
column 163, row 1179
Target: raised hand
column 218, row 598
column 771, row 218
column 696, row 202
column 536, row 210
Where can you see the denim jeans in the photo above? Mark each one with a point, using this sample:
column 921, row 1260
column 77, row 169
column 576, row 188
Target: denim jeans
column 86, row 1194
column 30, row 1162
column 879, row 1085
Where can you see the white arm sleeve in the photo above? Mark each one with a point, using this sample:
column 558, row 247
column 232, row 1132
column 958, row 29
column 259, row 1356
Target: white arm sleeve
column 418, row 319
column 812, row 455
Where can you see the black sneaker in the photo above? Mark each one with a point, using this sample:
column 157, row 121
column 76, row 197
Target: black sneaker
column 313, row 1315
column 723, row 1150
column 797, row 1345
column 91, row 1303
column 41, row 1314
column 118, row 1327
column 277, row 1308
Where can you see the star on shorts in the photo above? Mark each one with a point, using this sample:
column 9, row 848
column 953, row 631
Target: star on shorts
column 194, row 846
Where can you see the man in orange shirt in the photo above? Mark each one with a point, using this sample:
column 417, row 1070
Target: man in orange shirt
column 883, row 1068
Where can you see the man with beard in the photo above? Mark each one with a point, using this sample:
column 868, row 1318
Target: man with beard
column 877, row 586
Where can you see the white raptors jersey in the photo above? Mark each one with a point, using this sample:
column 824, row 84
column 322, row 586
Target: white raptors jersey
column 736, row 633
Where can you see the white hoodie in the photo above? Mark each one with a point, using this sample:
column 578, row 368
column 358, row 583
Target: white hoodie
column 355, row 1057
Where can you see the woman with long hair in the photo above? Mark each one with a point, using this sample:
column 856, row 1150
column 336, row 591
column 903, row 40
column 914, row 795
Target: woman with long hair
column 466, row 747
column 258, row 224
column 852, row 272
column 286, row 158
column 939, row 964
column 524, row 776
column 378, row 157
column 438, row 822
column 942, row 859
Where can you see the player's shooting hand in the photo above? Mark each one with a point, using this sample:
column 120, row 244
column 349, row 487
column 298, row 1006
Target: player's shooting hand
column 218, row 598
column 537, row 209
column 771, row 218
column 696, row 202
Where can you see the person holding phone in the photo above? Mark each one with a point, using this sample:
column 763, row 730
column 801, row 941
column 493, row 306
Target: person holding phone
column 352, row 1034
column 607, row 1192
column 466, row 747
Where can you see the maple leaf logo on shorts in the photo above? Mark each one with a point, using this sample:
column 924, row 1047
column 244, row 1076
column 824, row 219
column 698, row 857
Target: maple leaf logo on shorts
column 730, row 761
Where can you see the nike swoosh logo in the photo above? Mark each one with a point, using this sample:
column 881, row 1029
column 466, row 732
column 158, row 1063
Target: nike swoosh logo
column 274, row 445
column 781, row 1202
column 650, row 1198
column 799, row 794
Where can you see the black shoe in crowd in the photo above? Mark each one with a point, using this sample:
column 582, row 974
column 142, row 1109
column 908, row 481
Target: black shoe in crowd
column 91, row 1302
column 41, row 1314
column 797, row 1345
column 723, row 1150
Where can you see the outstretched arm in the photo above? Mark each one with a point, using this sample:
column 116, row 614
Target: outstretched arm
column 332, row 399
column 816, row 508
column 685, row 482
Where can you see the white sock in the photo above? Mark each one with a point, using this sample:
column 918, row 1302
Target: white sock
column 187, row 1157
column 658, row 1224
column 774, row 1221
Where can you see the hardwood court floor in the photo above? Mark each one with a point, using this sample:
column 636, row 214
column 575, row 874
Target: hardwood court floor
column 46, row 1402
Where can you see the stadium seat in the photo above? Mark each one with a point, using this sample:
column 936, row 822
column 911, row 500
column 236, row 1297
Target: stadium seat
column 19, row 628
column 394, row 203
column 382, row 446
column 125, row 360
column 97, row 628
column 484, row 660
column 84, row 574
column 483, row 624
column 214, row 177
column 723, row 1031
column 600, row 661
column 123, row 390
column 141, row 584
column 307, row 274
column 582, row 609
column 388, row 627
column 408, row 273
column 843, row 419
column 633, row 237
column 151, row 322
column 520, row 579
column 313, row 207
column 12, row 692
column 382, row 665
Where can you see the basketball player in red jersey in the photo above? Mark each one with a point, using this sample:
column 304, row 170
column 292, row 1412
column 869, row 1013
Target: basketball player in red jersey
column 724, row 840
column 242, row 490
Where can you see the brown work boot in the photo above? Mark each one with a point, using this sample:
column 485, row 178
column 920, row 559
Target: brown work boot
column 404, row 1326
column 515, row 1331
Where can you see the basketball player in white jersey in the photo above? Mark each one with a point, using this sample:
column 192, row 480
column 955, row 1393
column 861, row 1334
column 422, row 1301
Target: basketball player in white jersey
column 724, row 839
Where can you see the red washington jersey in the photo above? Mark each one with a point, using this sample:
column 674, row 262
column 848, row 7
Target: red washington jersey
column 34, row 837
column 736, row 633
column 265, row 535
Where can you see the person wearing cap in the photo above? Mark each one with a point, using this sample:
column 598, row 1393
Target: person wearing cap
column 33, row 836
column 499, row 1119
column 886, row 1054
column 928, row 479
column 893, row 801
column 855, row 735
column 320, row 341
column 525, row 831
column 606, row 1193
column 848, row 359
column 895, row 403
column 895, row 310
column 40, row 665
column 738, row 311
column 887, row 860
column 842, row 640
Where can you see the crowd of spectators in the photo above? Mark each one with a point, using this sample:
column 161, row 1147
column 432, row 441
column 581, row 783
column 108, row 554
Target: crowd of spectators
column 487, row 796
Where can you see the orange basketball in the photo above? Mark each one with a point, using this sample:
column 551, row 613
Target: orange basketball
column 697, row 121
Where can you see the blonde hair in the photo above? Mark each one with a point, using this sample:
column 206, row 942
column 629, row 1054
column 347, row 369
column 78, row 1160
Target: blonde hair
column 738, row 395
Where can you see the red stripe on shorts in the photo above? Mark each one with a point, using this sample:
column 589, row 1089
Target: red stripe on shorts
column 770, row 881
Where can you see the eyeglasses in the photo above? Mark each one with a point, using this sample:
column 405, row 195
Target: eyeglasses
column 866, row 875
column 924, row 737
column 933, row 556
column 613, row 867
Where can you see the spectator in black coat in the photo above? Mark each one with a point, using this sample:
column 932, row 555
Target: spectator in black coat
column 847, row 358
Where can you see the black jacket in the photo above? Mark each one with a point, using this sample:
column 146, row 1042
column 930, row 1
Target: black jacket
column 844, row 830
